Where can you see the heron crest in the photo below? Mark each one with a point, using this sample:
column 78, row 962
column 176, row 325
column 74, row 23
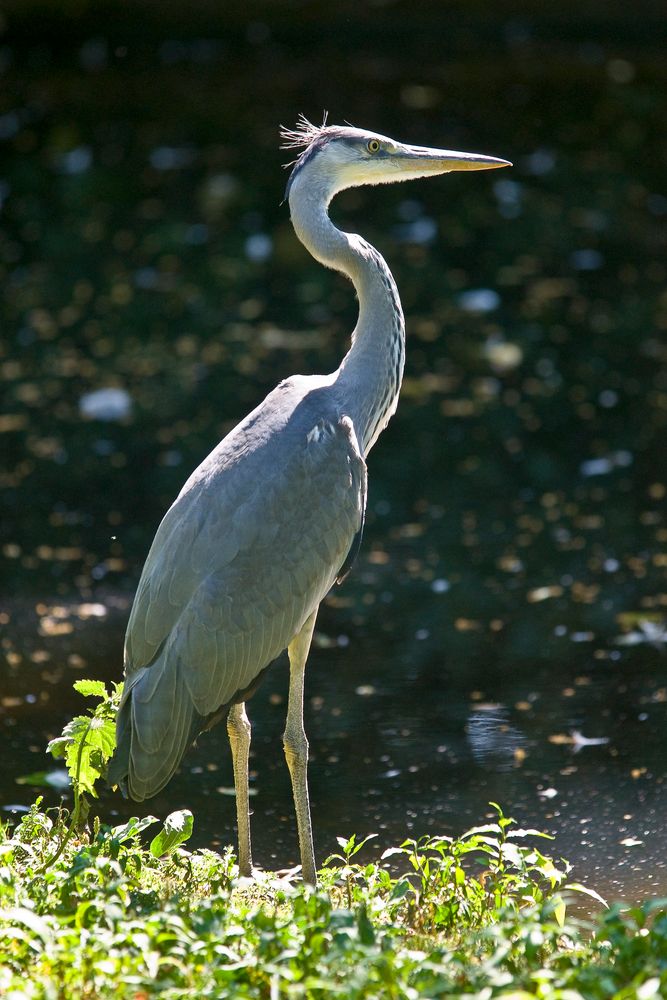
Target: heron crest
column 301, row 136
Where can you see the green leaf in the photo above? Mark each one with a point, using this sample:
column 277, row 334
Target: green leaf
column 400, row 889
column 578, row 887
column 366, row 929
column 86, row 743
column 391, row 851
column 474, row 831
column 58, row 745
column 559, row 911
column 34, row 778
column 530, row 833
column 176, row 830
column 651, row 905
column 58, row 779
column 91, row 689
column 91, row 748
column 133, row 827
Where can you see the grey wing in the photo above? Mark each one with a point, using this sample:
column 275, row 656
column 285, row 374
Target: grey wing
column 235, row 570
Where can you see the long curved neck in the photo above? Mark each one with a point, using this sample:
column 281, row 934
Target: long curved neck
column 369, row 377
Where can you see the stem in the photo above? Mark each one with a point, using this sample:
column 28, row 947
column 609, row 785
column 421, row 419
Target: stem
column 75, row 811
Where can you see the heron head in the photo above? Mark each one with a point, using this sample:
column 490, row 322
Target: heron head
column 336, row 157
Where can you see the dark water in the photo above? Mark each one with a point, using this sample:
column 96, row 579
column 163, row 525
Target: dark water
column 509, row 602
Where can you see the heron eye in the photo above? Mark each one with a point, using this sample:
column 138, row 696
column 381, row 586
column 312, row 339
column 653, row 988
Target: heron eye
column 373, row 146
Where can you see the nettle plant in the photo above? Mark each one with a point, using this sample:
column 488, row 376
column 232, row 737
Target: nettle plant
column 86, row 745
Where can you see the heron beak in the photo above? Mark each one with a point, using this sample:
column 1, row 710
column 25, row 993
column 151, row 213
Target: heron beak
column 421, row 161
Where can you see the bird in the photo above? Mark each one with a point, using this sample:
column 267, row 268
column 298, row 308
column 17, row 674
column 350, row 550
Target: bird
column 273, row 517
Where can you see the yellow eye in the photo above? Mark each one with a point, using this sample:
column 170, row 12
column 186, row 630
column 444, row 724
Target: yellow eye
column 373, row 146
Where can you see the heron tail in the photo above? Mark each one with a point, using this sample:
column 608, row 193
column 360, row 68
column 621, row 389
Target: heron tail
column 156, row 724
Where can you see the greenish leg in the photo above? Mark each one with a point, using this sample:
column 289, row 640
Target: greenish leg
column 296, row 747
column 238, row 730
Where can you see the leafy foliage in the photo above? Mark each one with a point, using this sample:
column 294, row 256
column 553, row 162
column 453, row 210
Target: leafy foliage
column 176, row 830
column 87, row 744
column 481, row 917
column 88, row 741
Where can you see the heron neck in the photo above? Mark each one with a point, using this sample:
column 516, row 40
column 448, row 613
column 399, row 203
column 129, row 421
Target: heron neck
column 369, row 377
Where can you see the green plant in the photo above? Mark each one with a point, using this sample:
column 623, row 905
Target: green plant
column 348, row 872
column 479, row 916
column 114, row 914
column 87, row 743
column 486, row 869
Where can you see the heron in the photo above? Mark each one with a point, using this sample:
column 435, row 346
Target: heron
column 273, row 517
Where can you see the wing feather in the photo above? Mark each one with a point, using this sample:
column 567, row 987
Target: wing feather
column 251, row 546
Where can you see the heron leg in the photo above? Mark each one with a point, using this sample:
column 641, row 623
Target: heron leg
column 238, row 730
column 296, row 747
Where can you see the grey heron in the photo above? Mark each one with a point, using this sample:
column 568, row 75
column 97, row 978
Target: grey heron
column 273, row 517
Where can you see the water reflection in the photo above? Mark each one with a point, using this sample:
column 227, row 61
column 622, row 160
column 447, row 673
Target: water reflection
column 493, row 741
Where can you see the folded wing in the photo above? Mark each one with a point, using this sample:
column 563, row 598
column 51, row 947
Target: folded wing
column 246, row 553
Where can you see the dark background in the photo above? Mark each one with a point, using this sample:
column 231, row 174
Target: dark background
column 511, row 586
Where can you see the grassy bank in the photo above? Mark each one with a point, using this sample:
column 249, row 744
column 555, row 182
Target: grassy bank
column 106, row 914
column 92, row 911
